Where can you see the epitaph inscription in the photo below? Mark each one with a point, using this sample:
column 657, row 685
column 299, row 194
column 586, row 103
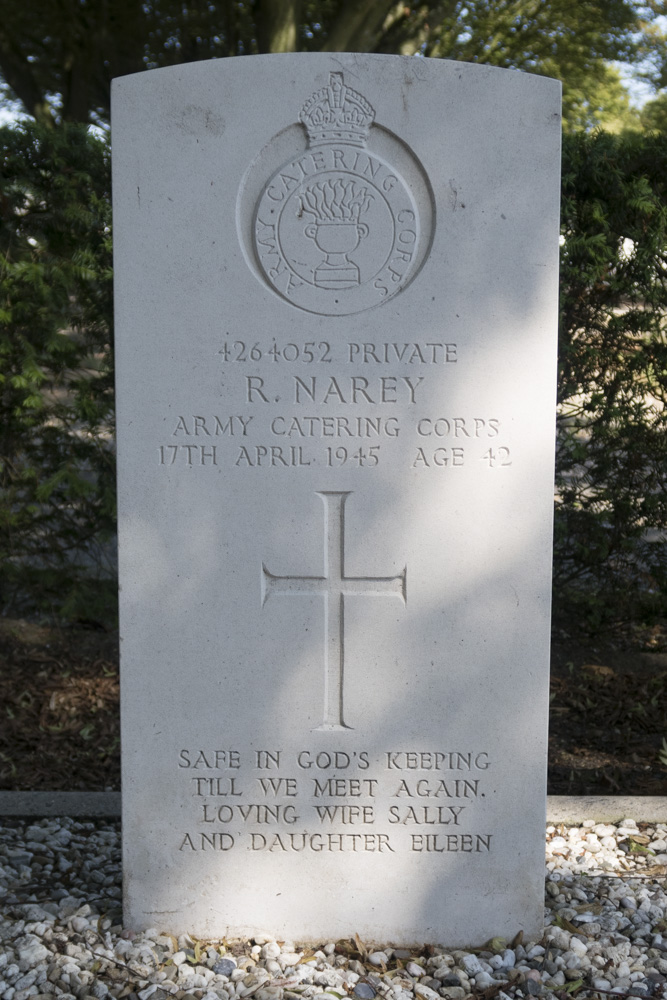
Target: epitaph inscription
column 334, row 586
column 337, row 229
column 335, row 801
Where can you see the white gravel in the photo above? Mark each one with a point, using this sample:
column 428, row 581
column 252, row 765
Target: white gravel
column 61, row 932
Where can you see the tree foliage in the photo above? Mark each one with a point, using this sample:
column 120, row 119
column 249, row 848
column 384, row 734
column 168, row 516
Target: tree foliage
column 654, row 114
column 56, row 459
column 64, row 55
column 611, row 512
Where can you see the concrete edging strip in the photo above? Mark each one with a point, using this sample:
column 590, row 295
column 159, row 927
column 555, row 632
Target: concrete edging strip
column 77, row 804
column 606, row 808
column 560, row 808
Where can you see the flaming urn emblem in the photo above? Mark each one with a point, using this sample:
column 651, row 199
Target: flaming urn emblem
column 335, row 208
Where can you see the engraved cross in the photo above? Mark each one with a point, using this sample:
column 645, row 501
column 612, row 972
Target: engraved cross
column 334, row 585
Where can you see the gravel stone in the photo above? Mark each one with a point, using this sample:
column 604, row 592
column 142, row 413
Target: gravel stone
column 448, row 978
column 415, row 970
column 425, row 992
column 471, row 964
column 61, row 932
column 223, row 967
column 364, row 991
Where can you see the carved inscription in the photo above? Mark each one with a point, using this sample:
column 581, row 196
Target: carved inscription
column 277, row 426
column 335, row 586
column 300, row 404
column 332, row 801
column 364, row 353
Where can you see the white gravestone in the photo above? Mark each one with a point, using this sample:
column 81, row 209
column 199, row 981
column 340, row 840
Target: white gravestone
column 336, row 325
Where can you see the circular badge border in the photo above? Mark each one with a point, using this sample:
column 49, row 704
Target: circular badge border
column 290, row 144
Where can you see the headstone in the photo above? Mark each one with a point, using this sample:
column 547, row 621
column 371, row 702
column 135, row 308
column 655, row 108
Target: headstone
column 336, row 321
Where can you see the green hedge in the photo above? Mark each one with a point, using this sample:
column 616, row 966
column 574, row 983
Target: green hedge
column 56, row 391
column 610, row 556
column 56, row 400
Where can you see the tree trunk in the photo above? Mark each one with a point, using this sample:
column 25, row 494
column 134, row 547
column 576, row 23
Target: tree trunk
column 278, row 25
column 18, row 74
column 358, row 26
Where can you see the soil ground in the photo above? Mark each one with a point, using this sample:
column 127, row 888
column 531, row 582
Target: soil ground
column 60, row 717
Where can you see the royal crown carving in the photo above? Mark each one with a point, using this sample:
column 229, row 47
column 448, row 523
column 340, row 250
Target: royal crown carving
column 336, row 113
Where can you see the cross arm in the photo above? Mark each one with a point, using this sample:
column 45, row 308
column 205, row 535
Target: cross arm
column 297, row 586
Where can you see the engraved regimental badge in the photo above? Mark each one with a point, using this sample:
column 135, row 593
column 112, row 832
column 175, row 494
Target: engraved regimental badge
column 338, row 228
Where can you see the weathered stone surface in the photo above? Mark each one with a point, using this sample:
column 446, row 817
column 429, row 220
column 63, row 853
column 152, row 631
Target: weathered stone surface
column 336, row 314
